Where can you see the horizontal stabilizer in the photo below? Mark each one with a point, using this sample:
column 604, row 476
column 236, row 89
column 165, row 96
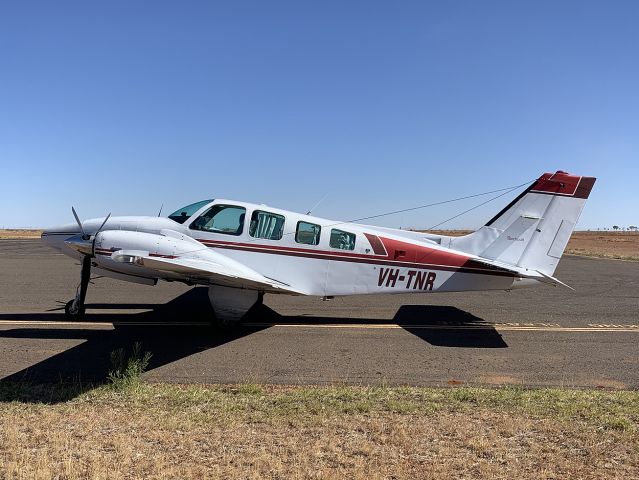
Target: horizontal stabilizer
column 556, row 281
column 523, row 272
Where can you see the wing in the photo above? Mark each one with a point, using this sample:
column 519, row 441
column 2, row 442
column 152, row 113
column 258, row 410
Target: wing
column 226, row 272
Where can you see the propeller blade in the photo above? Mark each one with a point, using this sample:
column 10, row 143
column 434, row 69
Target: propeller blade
column 77, row 219
column 103, row 223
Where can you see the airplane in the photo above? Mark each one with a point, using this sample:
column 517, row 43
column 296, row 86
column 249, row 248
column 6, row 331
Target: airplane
column 241, row 251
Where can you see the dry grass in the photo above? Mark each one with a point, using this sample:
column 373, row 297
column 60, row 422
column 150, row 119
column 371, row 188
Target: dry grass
column 615, row 245
column 451, row 233
column 247, row 431
column 619, row 245
column 19, row 234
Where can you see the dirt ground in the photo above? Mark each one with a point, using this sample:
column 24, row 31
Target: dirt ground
column 19, row 234
column 622, row 245
column 618, row 245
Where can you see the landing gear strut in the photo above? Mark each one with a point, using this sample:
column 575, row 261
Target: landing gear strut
column 74, row 309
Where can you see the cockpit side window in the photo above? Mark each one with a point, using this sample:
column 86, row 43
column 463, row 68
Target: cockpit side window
column 225, row 219
column 183, row 214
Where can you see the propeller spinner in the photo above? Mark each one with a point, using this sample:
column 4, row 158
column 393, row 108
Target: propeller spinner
column 84, row 243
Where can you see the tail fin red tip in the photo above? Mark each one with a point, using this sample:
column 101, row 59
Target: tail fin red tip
column 564, row 184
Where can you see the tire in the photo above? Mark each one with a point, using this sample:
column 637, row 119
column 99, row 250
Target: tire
column 77, row 315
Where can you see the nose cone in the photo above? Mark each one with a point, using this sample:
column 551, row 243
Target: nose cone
column 80, row 243
column 56, row 236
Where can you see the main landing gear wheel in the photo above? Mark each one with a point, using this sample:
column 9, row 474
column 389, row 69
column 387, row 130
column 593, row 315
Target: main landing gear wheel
column 230, row 305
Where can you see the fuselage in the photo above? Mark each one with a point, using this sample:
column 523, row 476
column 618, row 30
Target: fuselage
column 315, row 256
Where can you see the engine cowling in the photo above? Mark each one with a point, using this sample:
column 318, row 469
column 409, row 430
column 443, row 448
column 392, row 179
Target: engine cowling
column 117, row 250
column 124, row 251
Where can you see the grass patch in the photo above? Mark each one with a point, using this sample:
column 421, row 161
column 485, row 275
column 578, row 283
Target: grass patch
column 610, row 410
column 617, row 410
column 126, row 369
column 129, row 428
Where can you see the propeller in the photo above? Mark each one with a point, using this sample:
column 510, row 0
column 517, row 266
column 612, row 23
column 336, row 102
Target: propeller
column 103, row 223
column 77, row 219
column 84, row 244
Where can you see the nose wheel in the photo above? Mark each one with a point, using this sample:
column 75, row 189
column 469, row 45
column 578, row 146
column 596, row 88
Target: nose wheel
column 74, row 309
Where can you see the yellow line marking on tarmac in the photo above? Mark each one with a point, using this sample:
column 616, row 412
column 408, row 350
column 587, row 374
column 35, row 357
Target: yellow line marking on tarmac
column 504, row 327
column 487, row 326
column 37, row 322
column 612, row 325
column 100, row 324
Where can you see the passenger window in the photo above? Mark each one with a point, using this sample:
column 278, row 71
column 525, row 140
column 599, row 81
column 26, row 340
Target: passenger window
column 266, row 225
column 307, row 233
column 342, row 240
column 226, row 219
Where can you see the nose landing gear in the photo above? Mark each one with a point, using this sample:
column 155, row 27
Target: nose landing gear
column 74, row 309
column 84, row 244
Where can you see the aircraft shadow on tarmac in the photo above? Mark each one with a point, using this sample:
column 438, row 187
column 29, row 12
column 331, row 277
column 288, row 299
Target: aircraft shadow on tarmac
column 87, row 364
column 447, row 326
column 441, row 326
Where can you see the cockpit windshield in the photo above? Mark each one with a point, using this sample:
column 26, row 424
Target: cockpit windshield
column 181, row 215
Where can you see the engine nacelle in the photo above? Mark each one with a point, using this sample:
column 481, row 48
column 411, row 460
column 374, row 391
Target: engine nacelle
column 152, row 244
column 127, row 252
column 117, row 250
column 121, row 250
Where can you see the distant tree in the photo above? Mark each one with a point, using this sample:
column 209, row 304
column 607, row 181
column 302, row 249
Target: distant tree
column 632, row 228
column 615, row 227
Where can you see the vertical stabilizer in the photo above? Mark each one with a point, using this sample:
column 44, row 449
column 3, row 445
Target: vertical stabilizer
column 533, row 230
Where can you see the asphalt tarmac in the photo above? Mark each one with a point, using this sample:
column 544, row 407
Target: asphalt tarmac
column 538, row 336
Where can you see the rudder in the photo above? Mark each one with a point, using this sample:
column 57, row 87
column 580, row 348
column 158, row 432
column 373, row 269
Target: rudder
column 533, row 230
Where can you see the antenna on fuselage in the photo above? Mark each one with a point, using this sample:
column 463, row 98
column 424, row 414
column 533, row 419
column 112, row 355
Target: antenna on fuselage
column 160, row 212
column 317, row 204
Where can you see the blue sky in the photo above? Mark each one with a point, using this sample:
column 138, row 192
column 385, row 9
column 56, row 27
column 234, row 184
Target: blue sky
column 123, row 106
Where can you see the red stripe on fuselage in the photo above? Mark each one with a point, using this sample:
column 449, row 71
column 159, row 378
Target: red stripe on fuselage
column 415, row 256
column 162, row 256
column 105, row 251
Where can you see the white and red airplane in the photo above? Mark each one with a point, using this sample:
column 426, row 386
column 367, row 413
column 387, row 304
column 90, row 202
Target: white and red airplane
column 242, row 250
